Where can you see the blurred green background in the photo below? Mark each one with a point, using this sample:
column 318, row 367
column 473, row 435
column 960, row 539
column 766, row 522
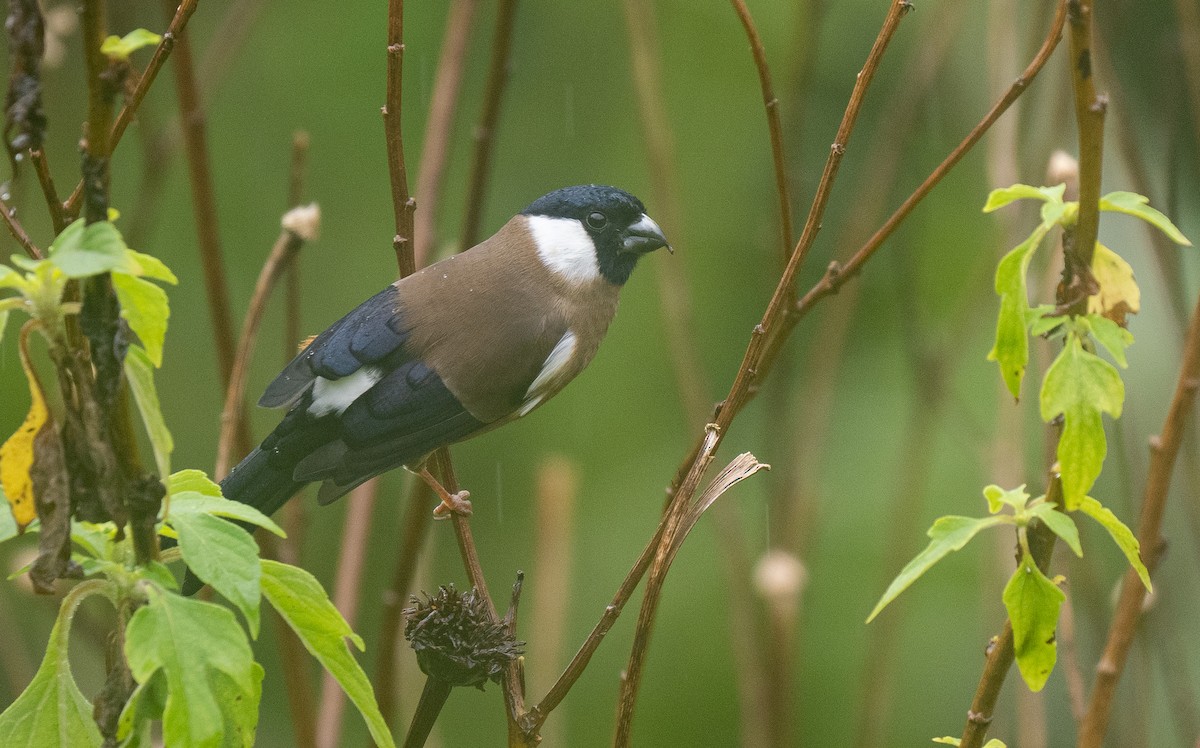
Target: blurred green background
column 882, row 415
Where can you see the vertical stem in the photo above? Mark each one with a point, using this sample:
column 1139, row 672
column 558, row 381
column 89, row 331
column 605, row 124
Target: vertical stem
column 485, row 131
column 402, row 203
column 204, row 208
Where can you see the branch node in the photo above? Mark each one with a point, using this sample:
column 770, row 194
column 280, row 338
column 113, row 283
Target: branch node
column 395, row 49
column 1099, row 104
column 838, row 148
column 978, row 718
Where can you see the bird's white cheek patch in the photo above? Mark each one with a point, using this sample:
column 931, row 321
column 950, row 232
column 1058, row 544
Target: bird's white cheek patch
column 556, row 364
column 335, row 395
column 565, row 248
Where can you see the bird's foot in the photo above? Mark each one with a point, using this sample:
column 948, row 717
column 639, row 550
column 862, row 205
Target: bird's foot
column 452, row 503
column 456, row 503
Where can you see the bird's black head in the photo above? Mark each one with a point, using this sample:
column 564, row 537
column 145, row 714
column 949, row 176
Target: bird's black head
column 614, row 221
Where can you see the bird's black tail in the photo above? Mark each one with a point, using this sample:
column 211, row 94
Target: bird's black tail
column 256, row 481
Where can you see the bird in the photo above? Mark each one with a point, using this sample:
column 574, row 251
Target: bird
column 458, row 348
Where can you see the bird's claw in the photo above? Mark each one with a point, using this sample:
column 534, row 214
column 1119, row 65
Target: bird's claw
column 453, row 504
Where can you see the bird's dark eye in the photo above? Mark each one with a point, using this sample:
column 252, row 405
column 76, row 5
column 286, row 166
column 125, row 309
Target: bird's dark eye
column 597, row 220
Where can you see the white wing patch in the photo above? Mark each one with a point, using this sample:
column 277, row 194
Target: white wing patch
column 565, row 248
column 556, row 364
column 335, row 395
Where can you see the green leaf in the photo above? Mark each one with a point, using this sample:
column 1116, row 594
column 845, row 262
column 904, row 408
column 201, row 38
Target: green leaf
column 193, row 502
column 192, row 480
column 3, row 322
column 299, row 598
column 190, row 641
column 1080, row 385
column 225, row 556
column 1033, row 602
column 144, row 306
column 1011, row 349
column 144, row 707
column 1112, row 336
column 1137, row 205
column 120, row 48
column 81, row 251
column 94, row 539
column 158, row 572
column 150, row 266
column 10, row 278
column 139, row 371
column 52, row 710
column 1041, row 319
column 997, row 497
column 1120, row 534
column 947, row 534
column 1060, row 524
column 998, row 198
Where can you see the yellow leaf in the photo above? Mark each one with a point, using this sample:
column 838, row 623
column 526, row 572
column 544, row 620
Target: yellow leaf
column 1119, row 294
column 16, row 455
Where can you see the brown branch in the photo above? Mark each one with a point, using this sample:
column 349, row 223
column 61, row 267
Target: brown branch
column 485, row 131
column 18, row 231
column 837, row 274
column 443, row 104
column 1164, row 448
column 771, row 104
column 402, row 204
column 1000, row 653
column 233, row 414
column 657, row 133
column 1089, row 117
column 347, row 590
column 204, row 210
column 686, row 363
column 41, row 165
column 178, row 22
column 417, row 518
column 752, row 367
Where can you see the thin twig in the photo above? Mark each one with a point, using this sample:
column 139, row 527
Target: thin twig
column 18, row 231
column 771, row 104
column 233, row 414
column 347, row 590
column 41, row 165
column 402, row 203
column 675, row 303
column 417, row 518
column 485, row 131
column 838, row 273
column 751, row 369
column 439, row 127
column 204, row 210
column 1089, row 117
column 1000, row 653
column 1164, row 448
column 657, row 133
column 178, row 23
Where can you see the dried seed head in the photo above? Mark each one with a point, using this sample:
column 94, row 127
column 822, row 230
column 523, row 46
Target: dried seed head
column 455, row 639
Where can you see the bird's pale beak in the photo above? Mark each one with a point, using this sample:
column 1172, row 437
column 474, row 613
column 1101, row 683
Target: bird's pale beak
column 643, row 236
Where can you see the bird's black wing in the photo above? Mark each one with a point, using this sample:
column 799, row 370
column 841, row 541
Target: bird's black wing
column 406, row 411
column 373, row 333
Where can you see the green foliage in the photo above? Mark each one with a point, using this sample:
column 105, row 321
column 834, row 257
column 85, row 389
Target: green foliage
column 1080, row 386
column 52, row 710
column 225, row 556
column 139, row 373
column 191, row 659
column 1138, row 206
column 1011, row 349
column 1120, row 534
column 947, row 534
column 193, row 642
column 299, row 598
column 121, row 47
column 1033, row 602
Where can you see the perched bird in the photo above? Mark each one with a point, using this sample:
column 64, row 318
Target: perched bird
column 453, row 350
